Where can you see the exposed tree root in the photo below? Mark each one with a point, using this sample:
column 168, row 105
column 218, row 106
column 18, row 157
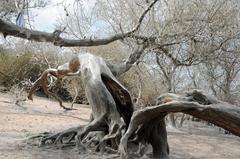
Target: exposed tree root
column 94, row 135
column 60, row 138
column 194, row 103
column 147, row 127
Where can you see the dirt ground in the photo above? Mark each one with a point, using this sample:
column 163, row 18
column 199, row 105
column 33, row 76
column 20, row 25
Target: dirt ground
column 19, row 122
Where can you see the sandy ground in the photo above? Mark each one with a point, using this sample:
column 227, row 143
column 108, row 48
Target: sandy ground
column 17, row 123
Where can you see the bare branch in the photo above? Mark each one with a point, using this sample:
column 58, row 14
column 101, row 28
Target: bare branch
column 162, row 68
column 119, row 69
column 143, row 15
column 3, row 74
column 13, row 30
column 67, row 69
column 174, row 60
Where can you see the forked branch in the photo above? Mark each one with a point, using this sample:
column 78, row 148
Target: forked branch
column 42, row 82
column 67, row 69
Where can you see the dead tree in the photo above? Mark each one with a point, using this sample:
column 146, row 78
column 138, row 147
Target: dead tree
column 114, row 126
column 111, row 103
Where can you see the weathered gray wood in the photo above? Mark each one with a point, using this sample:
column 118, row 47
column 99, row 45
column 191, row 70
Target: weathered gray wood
column 10, row 29
column 13, row 30
column 103, row 90
column 194, row 103
column 110, row 101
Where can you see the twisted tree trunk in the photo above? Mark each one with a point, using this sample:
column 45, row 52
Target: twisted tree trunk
column 113, row 122
column 111, row 104
column 195, row 103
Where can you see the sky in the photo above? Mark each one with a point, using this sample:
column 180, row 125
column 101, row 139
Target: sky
column 45, row 19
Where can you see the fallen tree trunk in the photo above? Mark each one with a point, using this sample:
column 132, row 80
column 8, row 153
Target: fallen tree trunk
column 194, row 103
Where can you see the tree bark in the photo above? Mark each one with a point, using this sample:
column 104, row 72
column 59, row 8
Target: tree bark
column 111, row 104
column 10, row 29
column 194, row 103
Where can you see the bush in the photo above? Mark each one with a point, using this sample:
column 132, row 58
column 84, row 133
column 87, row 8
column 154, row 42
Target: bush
column 21, row 66
column 15, row 69
column 18, row 65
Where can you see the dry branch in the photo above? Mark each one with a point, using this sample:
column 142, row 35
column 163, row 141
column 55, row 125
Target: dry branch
column 11, row 29
column 119, row 69
column 194, row 103
column 42, row 82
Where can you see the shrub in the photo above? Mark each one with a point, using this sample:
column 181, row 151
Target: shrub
column 15, row 69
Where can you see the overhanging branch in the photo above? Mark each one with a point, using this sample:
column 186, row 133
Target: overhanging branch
column 11, row 29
